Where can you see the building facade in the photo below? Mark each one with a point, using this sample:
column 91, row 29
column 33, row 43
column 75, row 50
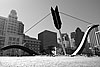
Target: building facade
column 12, row 31
column 98, row 37
column 3, row 21
column 93, row 38
column 2, row 31
column 48, row 39
column 72, row 35
column 78, row 36
column 31, row 43
column 66, row 40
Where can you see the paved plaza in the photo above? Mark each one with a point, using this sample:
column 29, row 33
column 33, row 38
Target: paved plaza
column 46, row 61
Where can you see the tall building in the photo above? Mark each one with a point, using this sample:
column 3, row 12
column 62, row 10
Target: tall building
column 72, row 35
column 48, row 39
column 11, row 31
column 2, row 31
column 72, row 40
column 32, row 43
column 98, row 37
column 66, row 40
column 78, row 36
column 92, row 36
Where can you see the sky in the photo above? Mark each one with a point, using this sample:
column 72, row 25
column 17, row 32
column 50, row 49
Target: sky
column 31, row 11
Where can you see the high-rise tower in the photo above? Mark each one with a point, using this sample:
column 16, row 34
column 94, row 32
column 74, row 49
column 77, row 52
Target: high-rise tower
column 11, row 31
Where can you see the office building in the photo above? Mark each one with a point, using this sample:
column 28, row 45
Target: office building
column 31, row 43
column 78, row 36
column 72, row 35
column 48, row 39
column 2, row 31
column 66, row 40
column 11, row 32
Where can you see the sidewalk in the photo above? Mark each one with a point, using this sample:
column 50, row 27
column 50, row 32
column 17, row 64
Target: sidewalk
column 46, row 61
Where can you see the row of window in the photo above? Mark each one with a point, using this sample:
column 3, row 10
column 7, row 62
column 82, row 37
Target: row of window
column 12, row 29
column 34, row 48
column 12, row 19
column 15, row 29
column 13, row 24
column 11, row 32
column 34, row 45
column 31, row 45
column 12, row 43
column 33, row 42
column 13, row 39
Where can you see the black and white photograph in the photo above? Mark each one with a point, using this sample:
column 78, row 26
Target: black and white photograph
column 49, row 33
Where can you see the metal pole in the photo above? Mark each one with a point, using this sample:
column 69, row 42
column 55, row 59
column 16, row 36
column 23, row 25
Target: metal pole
column 62, row 42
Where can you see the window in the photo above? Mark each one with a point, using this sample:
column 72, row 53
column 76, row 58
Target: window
column 17, row 43
column 13, row 43
column 14, row 39
column 9, row 43
column 0, row 32
column 10, row 38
